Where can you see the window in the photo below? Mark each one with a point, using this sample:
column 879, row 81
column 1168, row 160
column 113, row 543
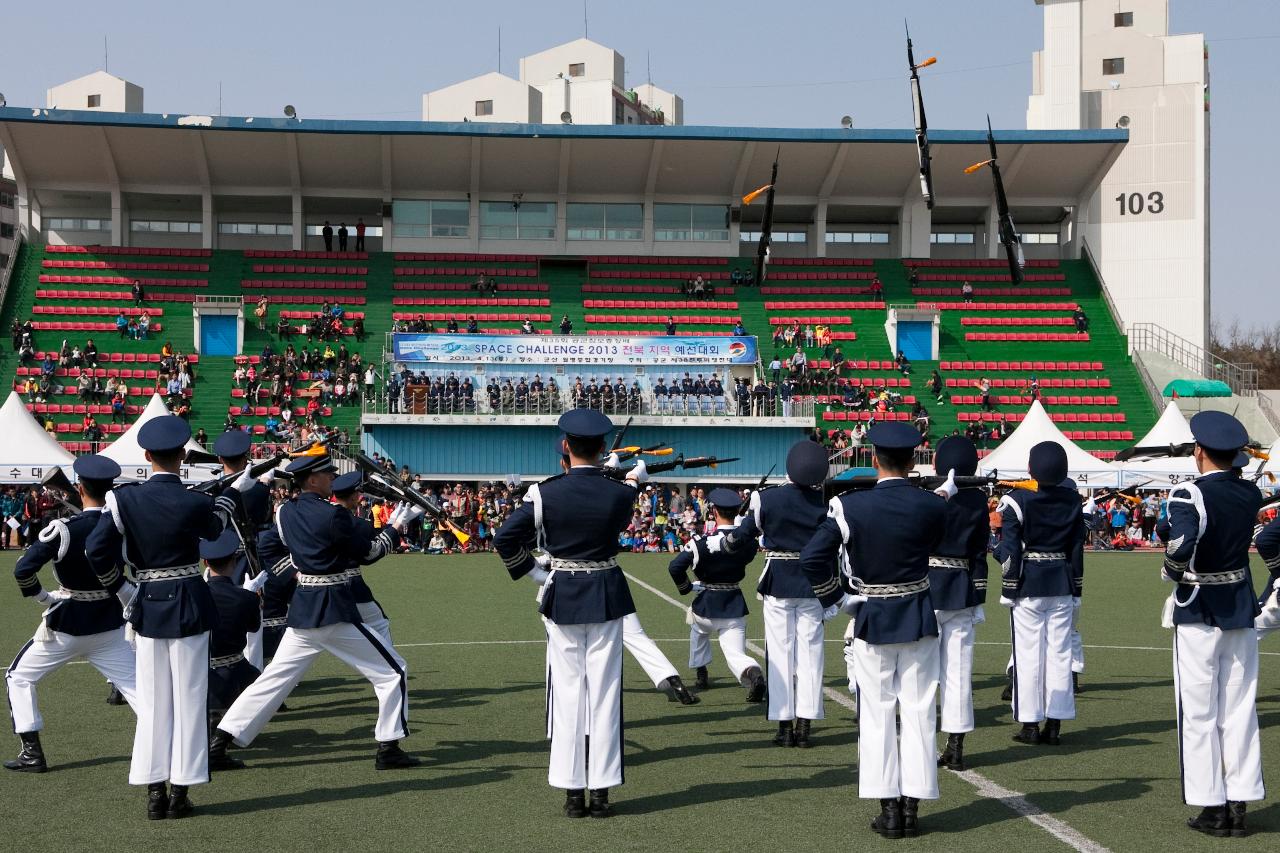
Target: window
column 532, row 220
column 591, row 221
column 95, row 101
column 1124, row 19
column 484, row 108
column 1044, row 238
column 77, row 224
column 256, row 229
column 691, row 222
column 155, row 226
column 431, row 218
column 948, row 238
column 6, row 231
column 877, row 237
column 778, row 236
column 1113, row 66
column 369, row 230
column 6, row 199
column 577, row 69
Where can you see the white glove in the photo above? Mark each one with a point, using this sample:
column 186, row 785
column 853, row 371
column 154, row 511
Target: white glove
column 948, row 489
column 830, row 613
column 398, row 515
column 126, row 593
column 543, row 561
column 1075, row 601
column 412, row 513
column 538, row 575
column 244, row 482
column 50, row 597
column 612, row 461
column 257, row 582
column 639, row 474
column 1007, row 602
column 697, row 588
column 849, row 604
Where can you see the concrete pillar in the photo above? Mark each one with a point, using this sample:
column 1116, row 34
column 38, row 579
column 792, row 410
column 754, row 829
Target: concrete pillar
column 119, row 227
column 299, row 227
column 993, row 249
column 916, row 224
column 818, row 233
column 208, row 235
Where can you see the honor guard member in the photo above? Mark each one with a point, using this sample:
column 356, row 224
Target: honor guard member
column 157, row 525
column 872, row 554
column 785, row 518
column 1040, row 537
column 576, row 519
column 232, row 450
column 346, row 491
column 324, row 543
column 958, row 559
column 81, row 619
column 1212, row 611
column 1267, row 541
column 239, row 615
column 719, row 605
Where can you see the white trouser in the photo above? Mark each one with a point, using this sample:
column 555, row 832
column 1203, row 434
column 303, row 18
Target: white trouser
column 585, row 674
column 733, row 643
column 1215, row 676
column 1042, row 659
column 955, row 662
column 897, row 681
column 375, row 620
column 253, row 648
column 108, row 652
column 172, row 739
column 1077, row 641
column 357, row 646
column 645, row 651
column 794, row 657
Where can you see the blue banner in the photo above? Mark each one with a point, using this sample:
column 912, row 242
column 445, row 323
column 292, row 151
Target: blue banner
column 573, row 349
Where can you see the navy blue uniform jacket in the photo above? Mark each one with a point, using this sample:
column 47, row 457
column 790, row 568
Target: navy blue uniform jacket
column 706, row 557
column 62, row 543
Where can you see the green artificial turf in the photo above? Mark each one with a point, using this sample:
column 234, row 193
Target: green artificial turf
column 698, row 778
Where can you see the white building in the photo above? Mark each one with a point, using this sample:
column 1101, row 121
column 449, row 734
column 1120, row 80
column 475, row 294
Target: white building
column 1114, row 64
column 8, row 208
column 97, row 91
column 582, row 78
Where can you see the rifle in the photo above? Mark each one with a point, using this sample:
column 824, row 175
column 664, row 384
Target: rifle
column 617, row 439
column 216, row 485
column 746, row 502
column 834, row 487
column 377, row 484
column 626, row 453
column 1009, row 237
column 62, row 490
column 679, row 462
column 922, row 125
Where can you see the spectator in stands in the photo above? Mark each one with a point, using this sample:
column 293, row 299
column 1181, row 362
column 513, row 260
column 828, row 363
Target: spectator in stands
column 480, row 284
column 936, row 386
column 877, row 289
column 473, row 327
column 1033, row 388
column 1002, row 428
column 526, row 328
column 357, row 329
column 739, row 330
column 31, row 389
column 920, row 417
column 91, row 353
column 775, row 368
column 26, row 351
column 735, row 277
column 48, row 366
column 1080, row 319
column 84, row 386
column 15, row 329
column 671, row 326
column 966, row 290
column 748, row 278
column 902, row 364
column 360, row 228
column 238, row 375
column 913, row 277
column 138, row 293
column 786, row 391
column 327, row 233
column 342, row 236
column 201, row 437
column 92, row 433
column 984, row 389
column 261, row 313
column 566, row 327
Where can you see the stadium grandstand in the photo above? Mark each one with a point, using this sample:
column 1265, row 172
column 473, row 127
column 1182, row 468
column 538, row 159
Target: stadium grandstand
column 621, row 236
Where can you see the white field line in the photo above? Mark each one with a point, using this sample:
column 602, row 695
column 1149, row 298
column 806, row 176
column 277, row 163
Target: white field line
column 1015, row 801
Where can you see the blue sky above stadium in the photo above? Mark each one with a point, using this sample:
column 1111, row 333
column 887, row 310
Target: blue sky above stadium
column 735, row 63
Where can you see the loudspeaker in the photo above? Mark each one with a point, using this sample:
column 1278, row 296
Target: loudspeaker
column 735, row 214
column 386, row 211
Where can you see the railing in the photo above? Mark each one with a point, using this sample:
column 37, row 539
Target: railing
column 1268, row 411
column 1106, row 292
column 861, row 455
column 1242, row 378
column 7, row 272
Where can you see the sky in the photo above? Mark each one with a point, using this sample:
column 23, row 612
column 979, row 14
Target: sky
column 800, row 64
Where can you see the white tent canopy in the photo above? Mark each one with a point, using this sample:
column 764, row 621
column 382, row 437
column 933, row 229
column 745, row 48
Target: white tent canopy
column 132, row 459
column 27, row 451
column 1010, row 459
column 1161, row 472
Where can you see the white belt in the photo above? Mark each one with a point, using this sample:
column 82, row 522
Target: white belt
column 720, row 587
column 893, row 590
column 225, row 661
column 1044, row 556
column 560, row 565
column 172, row 573
column 781, row 555
column 336, row 579
column 948, row 563
column 85, row 595
column 275, row 622
column 352, row 573
column 1214, row 578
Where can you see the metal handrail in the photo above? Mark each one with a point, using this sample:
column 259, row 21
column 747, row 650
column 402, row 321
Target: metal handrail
column 12, row 263
column 1241, row 378
column 1269, row 412
column 1102, row 284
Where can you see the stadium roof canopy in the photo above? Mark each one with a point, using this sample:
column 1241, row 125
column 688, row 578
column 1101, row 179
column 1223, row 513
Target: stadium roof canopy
column 66, row 150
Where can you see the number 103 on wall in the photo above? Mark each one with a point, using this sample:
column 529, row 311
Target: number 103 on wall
column 1136, row 204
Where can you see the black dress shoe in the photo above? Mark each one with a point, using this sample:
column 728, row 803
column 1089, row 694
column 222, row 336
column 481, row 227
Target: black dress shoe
column 1028, row 734
column 1235, row 818
column 157, row 801
column 1075, row 683
column 1212, row 820
column 600, row 802
column 802, row 733
column 219, row 743
column 889, row 822
column 575, row 803
column 785, row 736
column 952, row 756
column 700, row 679
column 910, row 817
column 677, row 691
column 1052, row 732
column 1006, row 695
column 753, row 680
column 179, row 803
column 31, row 757
column 115, row 697
column 391, row 757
